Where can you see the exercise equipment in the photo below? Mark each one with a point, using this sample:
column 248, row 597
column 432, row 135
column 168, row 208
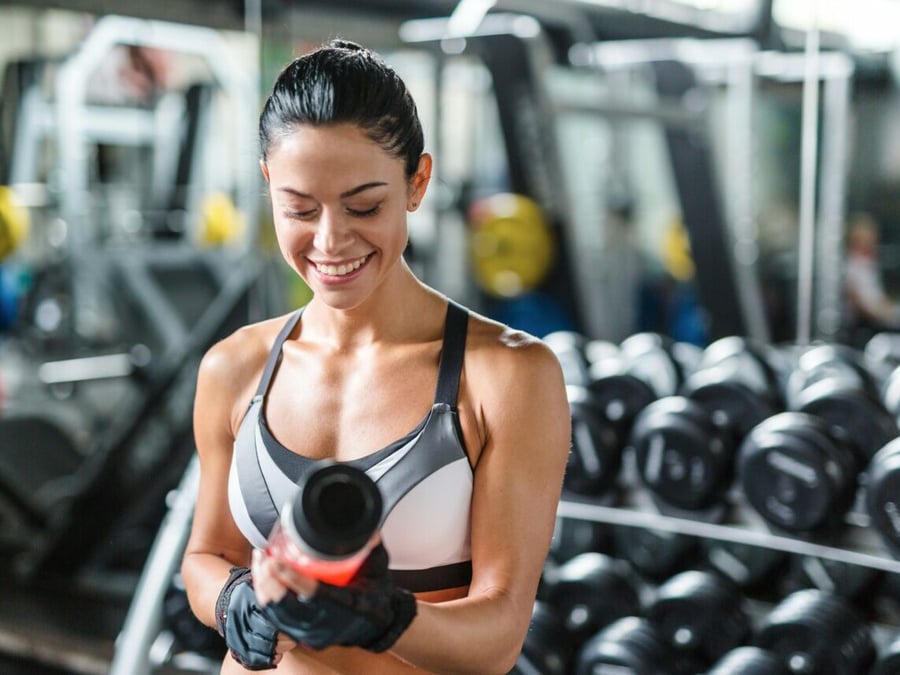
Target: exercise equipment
column 796, row 474
column 14, row 222
column 736, row 382
column 700, row 614
column 831, row 362
column 752, row 568
column 221, row 222
column 569, row 347
column 653, row 553
column 189, row 635
column 548, row 648
column 682, row 456
column 888, row 661
column 589, row 592
column 812, row 631
column 748, row 660
column 572, row 536
column 511, row 245
column 631, row 644
column 882, row 494
column 595, row 458
column 853, row 582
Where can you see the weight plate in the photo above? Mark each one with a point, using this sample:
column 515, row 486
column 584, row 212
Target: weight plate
column 882, row 495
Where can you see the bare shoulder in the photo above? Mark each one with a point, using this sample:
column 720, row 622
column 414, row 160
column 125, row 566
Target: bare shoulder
column 232, row 366
column 509, row 355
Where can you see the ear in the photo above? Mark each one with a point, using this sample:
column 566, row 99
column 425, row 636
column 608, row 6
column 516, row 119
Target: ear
column 418, row 184
column 264, row 169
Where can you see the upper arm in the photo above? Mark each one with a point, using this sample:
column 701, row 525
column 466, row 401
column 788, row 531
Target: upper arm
column 214, row 530
column 518, row 476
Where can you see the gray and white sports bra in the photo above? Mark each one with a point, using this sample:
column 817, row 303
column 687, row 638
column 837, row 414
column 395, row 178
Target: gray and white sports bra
column 425, row 477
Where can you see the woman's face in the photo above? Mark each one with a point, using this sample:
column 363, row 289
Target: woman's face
column 339, row 205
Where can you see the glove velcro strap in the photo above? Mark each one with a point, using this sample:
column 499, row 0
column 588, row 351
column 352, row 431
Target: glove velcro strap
column 403, row 604
column 236, row 576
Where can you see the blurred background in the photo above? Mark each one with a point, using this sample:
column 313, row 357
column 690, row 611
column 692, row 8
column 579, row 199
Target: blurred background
column 693, row 169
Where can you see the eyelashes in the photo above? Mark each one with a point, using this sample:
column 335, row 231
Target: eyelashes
column 313, row 213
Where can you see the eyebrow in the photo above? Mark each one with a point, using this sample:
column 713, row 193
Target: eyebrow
column 343, row 195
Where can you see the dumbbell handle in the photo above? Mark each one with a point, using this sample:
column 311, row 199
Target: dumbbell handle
column 107, row 366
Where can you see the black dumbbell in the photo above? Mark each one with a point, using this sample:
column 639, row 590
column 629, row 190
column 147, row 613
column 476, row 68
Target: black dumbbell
column 572, row 536
column 754, row 569
column 796, row 474
column 682, row 457
column 569, row 348
column 589, row 592
column 882, row 495
column 819, row 633
column 748, row 660
column 647, row 366
column 888, row 661
column 653, row 553
column 833, row 363
column 630, row 645
column 595, row 458
column 853, row 582
column 737, row 383
column 548, row 649
column 700, row 614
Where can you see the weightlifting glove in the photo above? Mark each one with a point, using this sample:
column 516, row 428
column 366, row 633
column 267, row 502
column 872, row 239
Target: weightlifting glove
column 249, row 635
column 369, row 612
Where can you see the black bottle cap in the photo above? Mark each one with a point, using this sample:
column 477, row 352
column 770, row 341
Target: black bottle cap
column 337, row 510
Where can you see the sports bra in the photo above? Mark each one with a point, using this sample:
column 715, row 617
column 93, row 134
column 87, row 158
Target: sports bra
column 425, row 478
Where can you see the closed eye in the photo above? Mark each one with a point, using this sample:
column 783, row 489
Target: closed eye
column 364, row 213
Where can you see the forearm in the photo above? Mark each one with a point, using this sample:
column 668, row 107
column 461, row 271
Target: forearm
column 474, row 635
column 204, row 575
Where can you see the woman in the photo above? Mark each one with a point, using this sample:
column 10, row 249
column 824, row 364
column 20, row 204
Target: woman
column 480, row 411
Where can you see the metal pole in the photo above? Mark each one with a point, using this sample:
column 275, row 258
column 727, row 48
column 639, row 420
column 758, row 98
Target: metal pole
column 809, row 149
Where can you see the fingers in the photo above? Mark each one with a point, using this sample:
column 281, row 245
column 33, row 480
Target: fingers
column 268, row 588
column 300, row 584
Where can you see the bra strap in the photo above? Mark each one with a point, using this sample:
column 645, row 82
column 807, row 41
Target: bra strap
column 275, row 355
column 452, row 352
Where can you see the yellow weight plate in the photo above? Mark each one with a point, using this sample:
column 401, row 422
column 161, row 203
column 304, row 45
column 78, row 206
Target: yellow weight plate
column 221, row 221
column 510, row 244
column 13, row 222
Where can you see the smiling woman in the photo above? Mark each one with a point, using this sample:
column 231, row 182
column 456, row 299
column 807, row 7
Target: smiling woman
column 462, row 422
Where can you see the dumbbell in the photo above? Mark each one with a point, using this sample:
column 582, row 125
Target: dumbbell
column 699, row 614
column 882, row 495
column 569, row 347
column 647, row 366
column 853, row 582
column 653, row 553
column 682, row 457
column 748, row 660
column 589, row 592
column 829, row 362
column 735, row 380
column 832, row 382
column 796, row 474
column 593, row 464
column 819, row 633
column 548, row 649
column 888, row 661
column 753, row 568
column 630, row 645
column 572, row 536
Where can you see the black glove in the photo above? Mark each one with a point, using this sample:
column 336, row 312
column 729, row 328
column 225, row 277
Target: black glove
column 249, row 635
column 369, row 612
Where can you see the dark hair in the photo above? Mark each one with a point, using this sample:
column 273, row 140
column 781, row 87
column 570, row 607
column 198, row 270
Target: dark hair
column 343, row 82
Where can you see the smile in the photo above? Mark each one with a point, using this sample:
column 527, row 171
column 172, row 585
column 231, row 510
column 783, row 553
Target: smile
column 341, row 270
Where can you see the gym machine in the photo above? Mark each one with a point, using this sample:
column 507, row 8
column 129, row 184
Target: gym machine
column 139, row 279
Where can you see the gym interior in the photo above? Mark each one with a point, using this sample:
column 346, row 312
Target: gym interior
column 665, row 191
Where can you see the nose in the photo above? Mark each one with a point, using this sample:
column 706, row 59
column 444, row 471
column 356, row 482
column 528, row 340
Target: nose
column 331, row 232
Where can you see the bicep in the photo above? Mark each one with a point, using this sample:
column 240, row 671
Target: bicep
column 518, row 481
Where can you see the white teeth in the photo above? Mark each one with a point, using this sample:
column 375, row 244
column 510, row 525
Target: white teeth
column 341, row 270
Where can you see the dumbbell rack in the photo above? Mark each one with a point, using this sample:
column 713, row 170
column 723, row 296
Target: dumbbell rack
column 634, row 506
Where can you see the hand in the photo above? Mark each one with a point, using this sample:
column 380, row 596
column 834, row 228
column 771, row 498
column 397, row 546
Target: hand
column 370, row 612
column 252, row 640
